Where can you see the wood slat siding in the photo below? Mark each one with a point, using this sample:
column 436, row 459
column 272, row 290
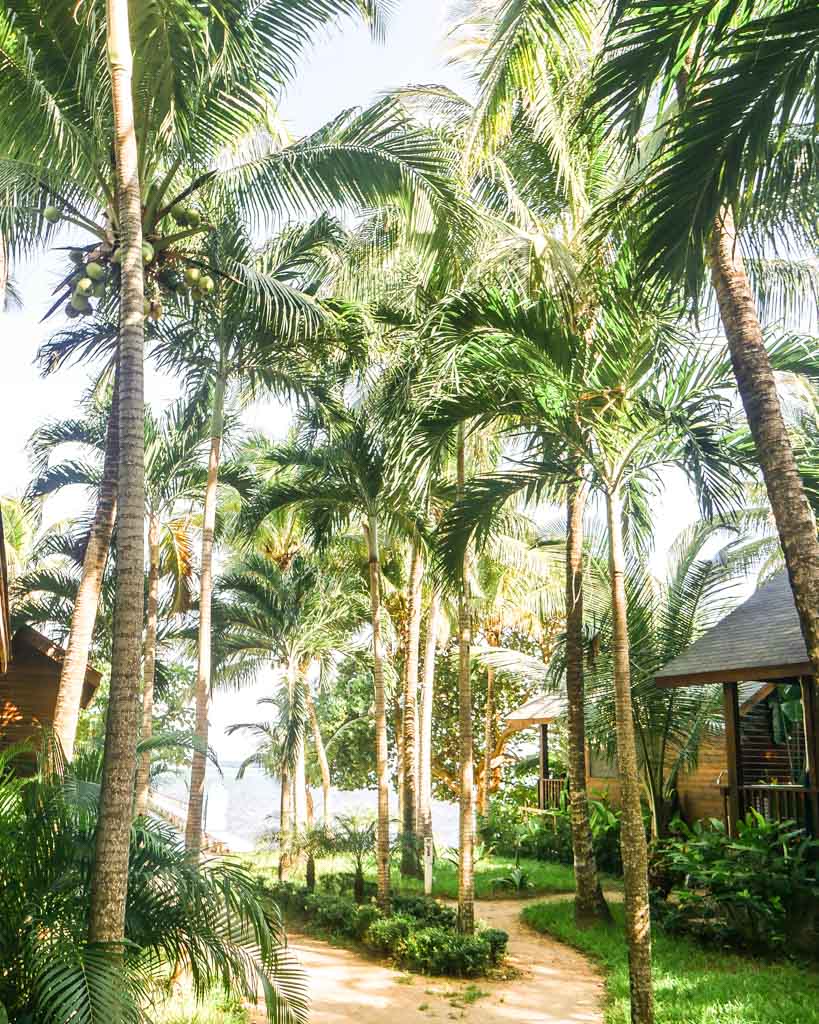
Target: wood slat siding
column 763, row 760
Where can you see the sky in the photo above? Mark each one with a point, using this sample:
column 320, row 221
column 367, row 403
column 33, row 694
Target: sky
column 345, row 69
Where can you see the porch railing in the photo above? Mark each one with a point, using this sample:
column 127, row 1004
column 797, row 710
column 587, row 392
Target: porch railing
column 549, row 792
column 777, row 803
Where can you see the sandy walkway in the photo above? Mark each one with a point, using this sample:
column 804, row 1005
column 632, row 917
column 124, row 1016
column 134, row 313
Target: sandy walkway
column 555, row 984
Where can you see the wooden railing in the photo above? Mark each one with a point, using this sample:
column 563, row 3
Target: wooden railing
column 778, row 803
column 549, row 792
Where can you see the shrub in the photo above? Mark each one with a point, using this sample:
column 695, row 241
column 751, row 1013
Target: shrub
column 388, row 935
column 426, row 911
column 497, row 940
column 757, row 890
column 334, row 914
column 366, row 914
column 343, row 883
column 441, row 951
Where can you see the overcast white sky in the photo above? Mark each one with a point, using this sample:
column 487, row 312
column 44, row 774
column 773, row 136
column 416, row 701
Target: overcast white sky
column 345, row 69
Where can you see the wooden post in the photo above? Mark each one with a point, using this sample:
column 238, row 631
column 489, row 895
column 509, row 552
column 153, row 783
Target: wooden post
column 733, row 750
column 810, row 710
column 544, row 766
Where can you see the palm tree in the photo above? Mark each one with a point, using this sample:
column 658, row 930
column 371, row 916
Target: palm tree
column 291, row 616
column 337, row 474
column 109, row 886
column 731, row 168
column 173, row 454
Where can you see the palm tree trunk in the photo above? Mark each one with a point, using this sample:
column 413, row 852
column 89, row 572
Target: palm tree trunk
column 632, row 835
column 143, row 776
column 795, row 522
column 425, row 739
column 196, row 798
column 589, row 903
column 488, row 739
column 4, row 272
column 109, row 882
column 300, row 787
column 321, row 754
column 381, row 755
column 409, row 852
column 84, row 614
column 285, row 824
column 466, row 866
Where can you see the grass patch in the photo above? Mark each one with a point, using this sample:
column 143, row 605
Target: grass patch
column 692, row 984
column 182, row 1008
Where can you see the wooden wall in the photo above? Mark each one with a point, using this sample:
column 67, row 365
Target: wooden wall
column 28, row 693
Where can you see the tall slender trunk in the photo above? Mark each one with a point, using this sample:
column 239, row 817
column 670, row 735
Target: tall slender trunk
column 466, row 865
column 633, row 836
column 300, row 787
column 109, row 881
column 84, row 614
column 321, row 754
column 143, row 776
column 285, row 824
column 196, row 798
column 795, row 522
column 409, row 812
column 488, row 740
column 589, row 902
column 4, row 272
column 425, row 739
column 382, row 852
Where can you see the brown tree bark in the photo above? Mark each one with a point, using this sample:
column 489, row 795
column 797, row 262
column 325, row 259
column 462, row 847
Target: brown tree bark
column 410, row 864
column 382, row 852
column 143, row 775
column 466, row 859
column 321, row 754
column 84, row 613
column 632, row 831
column 589, row 903
column 425, row 736
column 109, row 881
column 795, row 522
column 285, row 825
column 488, row 739
column 196, row 796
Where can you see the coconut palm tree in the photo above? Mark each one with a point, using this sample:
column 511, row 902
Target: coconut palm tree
column 338, row 475
column 730, row 170
column 109, row 884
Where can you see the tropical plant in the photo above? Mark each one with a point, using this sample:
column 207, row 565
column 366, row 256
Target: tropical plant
column 730, row 165
column 211, row 920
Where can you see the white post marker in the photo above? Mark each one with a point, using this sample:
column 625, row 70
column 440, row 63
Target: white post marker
column 427, row 865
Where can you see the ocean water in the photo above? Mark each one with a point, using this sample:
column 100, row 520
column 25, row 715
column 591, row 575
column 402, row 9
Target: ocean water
column 238, row 811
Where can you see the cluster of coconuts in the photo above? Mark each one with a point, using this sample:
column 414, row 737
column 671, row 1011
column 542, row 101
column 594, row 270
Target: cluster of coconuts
column 90, row 279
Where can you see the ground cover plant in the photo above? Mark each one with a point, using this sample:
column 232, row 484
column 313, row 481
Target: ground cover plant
column 691, row 984
column 419, row 935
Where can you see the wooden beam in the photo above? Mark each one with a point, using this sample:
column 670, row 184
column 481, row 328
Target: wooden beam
column 761, row 673
column 733, row 750
column 810, row 711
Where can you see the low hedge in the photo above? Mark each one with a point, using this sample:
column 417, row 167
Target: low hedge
column 420, row 935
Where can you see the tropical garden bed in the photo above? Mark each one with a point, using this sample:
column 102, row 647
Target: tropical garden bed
column 691, row 984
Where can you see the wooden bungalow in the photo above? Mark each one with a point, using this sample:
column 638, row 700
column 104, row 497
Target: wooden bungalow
column 539, row 713
column 30, row 666
column 760, row 643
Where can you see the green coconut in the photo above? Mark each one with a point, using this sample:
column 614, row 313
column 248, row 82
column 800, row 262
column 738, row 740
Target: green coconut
column 147, row 252
column 192, row 275
column 146, row 307
column 80, row 303
column 207, row 284
column 70, row 312
column 96, row 271
column 116, row 256
column 53, row 214
column 98, row 291
column 84, row 285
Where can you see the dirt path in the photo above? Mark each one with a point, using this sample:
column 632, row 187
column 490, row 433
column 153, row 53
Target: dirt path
column 555, row 985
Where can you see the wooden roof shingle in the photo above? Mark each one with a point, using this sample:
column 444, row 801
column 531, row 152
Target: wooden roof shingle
column 759, row 640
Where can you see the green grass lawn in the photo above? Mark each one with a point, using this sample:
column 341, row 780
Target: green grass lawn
column 692, row 984
column 546, row 877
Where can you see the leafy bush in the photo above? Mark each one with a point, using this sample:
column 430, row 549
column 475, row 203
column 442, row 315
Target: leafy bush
column 757, row 890
column 441, row 951
column 388, row 935
column 425, row 910
column 549, row 836
column 517, row 880
column 334, row 914
column 343, row 883
column 498, row 941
